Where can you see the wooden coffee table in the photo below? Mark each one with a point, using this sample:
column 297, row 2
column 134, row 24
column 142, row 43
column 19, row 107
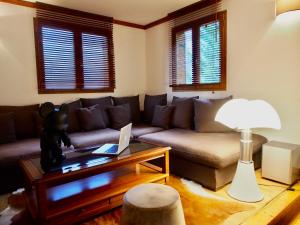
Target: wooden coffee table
column 88, row 184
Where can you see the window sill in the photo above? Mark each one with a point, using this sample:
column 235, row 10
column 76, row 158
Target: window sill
column 57, row 91
column 202, row 87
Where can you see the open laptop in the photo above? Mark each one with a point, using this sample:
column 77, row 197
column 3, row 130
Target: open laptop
column 116, row 149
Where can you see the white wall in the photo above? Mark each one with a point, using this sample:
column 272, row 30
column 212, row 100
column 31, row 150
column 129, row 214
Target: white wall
column 18, row 80
column 263, row 61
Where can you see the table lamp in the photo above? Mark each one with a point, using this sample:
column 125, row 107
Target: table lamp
column 244, row 115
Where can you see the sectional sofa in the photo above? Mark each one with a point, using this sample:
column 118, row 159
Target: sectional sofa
column 209, row 158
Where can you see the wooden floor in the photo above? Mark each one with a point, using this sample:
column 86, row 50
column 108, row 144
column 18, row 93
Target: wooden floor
column 279, row 207
column 295, row 220
column 283, row 210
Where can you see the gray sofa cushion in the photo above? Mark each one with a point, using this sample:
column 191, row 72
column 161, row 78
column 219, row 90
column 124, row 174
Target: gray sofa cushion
column 119, row 116
column 216, row 150
column 7, row 128
column 205, row 113
column 72, row 116
column 12, row 152
column 91, row 118
column 134, row 103
column 162, row 116
column 149, row 105
column 94, row 138
column 24, row 119
column 142, row 129
column 103, row 102
column 184, row 112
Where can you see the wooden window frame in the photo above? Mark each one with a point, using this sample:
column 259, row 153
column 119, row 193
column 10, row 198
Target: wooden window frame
column 194, row 25
column 78, row 30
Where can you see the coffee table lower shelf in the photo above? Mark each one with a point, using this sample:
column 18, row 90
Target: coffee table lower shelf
column 81, row 199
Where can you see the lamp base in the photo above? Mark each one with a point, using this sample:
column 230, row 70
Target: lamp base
column 244, row 186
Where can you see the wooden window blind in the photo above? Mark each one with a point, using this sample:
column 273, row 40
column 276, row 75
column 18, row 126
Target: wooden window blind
column 59, row 58
column 198, row 50
column 74, row 51
column 95, row 61
column 184, row 56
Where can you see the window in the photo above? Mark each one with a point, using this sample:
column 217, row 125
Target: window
column 199, row 54
column 73, row 58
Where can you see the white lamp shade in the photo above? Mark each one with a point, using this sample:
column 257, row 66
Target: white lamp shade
column 245, row 114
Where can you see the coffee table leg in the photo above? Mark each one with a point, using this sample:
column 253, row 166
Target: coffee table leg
column 138, row 168
column 166, row 166
column 42, row 202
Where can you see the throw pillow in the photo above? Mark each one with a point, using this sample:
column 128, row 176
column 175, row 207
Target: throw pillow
column 119, row 116
column 91, row 118
column 134, row 104
column 72, row 116
column 7, row 128
column 150, row 103
column 162, row 116
column 184, row 112
column 38, row 123
column 205, row 112
column 103, row 102
column 24, row 119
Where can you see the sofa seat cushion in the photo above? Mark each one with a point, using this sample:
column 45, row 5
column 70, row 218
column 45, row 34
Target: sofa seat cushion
column 216, row 150
column 10, row 153
column 94, row 138
column 142, row 129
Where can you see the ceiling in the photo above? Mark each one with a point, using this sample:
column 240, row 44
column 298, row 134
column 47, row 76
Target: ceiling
column 135, row 11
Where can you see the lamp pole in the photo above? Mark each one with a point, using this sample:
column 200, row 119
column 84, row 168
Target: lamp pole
column 244, row 186
column 246, row 146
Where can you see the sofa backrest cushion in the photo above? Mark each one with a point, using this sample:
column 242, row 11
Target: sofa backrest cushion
column 38, row 123
column 91, row 118
column 23, row 118
column 205, row 112
column 7, row 128
column 149, row 105
column 134, row 103
column 184, row 112
column 119, row 115
column 72, row 116
column 163, row 116
column 103, row 103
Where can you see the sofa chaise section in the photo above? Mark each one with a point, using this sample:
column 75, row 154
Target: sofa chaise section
column 10, row 155
column 143, row 129
column 208, row 158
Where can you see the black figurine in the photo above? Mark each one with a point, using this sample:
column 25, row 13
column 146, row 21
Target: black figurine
column 53, row 135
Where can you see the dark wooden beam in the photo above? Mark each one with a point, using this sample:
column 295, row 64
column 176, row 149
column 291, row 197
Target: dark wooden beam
column 172, row 15
column 73, row 12
column 21, row 3
column 157, row 22
column 183, row 11
column 128, row 24
column 191, row 8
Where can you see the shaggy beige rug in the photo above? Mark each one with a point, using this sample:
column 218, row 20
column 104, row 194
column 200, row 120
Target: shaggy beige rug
column 200, row 207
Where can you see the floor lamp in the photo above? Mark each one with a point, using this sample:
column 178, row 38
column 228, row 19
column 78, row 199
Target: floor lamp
column 244, row 115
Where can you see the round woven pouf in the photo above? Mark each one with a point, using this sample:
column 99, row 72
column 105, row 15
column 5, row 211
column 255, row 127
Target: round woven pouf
column 152, row 204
